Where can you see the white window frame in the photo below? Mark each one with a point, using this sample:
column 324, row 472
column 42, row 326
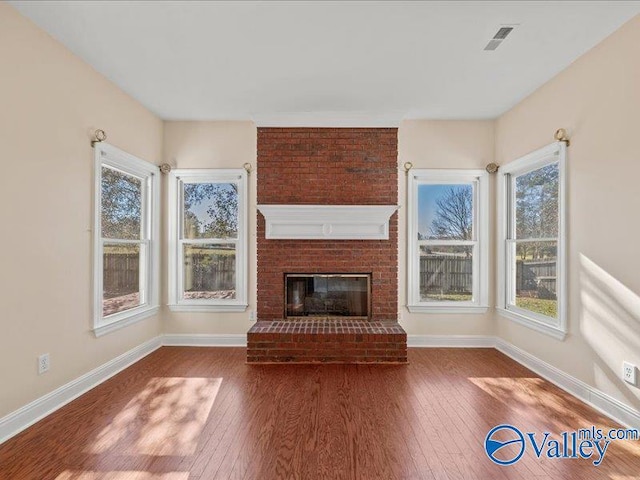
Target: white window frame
column 111, row 157
column 480, row 181
column 553, row 153
column 175, row 270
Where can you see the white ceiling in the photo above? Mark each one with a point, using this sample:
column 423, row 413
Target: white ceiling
column 293, row 63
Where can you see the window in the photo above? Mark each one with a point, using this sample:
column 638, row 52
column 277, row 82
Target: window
column 208, row 251
column 448, row 244
column 532, row 251
column 125, row 239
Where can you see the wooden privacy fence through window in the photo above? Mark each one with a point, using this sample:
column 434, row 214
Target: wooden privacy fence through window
column 454, row 274
column 203, row 272
column 449, row 274
column 209, row 273
column 120, row 273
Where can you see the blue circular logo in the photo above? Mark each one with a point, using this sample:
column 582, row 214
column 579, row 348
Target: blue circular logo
column 513, row 436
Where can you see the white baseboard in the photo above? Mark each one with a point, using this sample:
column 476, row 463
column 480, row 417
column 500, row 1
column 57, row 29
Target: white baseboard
column 602, row 402
column 24, row 417
column 451, row 341
column 204, row 340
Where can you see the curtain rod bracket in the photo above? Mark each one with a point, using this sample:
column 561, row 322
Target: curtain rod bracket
column 561, row 136
column 492, row 167
column 98, row 137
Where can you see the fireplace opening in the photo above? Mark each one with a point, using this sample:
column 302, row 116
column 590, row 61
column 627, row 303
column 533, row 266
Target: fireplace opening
column 327, row 295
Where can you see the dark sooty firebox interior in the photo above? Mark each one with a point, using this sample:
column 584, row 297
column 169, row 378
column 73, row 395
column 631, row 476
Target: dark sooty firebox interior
column 327, row 295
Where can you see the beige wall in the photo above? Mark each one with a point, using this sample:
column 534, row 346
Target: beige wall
column 213, row 145
column 442, row 144
column 597, row 99
column 50, row 101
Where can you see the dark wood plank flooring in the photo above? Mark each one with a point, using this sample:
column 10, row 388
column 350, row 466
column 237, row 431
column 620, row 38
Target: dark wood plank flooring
column 204, row 414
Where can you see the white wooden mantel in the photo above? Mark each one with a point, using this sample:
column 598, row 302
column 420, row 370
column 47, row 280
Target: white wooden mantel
column 327, row 222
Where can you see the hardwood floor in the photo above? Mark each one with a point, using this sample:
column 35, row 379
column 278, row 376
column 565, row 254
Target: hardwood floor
column 204, row 414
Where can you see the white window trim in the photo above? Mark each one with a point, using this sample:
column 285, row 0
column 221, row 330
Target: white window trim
column 481, row 229
column 555, row 152
column 176, row 303
column 110, row 156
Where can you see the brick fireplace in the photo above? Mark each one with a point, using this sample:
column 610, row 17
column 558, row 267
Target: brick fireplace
column 328, row 166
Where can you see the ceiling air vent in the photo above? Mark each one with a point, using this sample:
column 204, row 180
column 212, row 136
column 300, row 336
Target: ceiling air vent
column 497, row 39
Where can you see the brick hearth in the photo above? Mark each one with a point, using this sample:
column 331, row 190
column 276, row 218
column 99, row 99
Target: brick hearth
column 327, row 340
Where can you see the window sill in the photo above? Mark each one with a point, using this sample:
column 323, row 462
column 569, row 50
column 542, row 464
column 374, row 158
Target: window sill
column 545, row 328
column 241, row 307
column 125, row 320
column 453, row 309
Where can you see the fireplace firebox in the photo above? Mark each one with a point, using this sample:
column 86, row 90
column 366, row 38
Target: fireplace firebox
column 327, row 295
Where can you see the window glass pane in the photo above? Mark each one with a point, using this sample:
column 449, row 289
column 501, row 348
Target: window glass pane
column 446, row 273
column 535, row 277
column 210, row 210
column 445, row 212
column 537, row 203
column 209, row 271
column 120, row 278
column 121, row 205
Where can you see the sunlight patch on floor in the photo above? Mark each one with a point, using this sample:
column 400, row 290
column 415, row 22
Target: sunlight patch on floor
column 511, row 389
column 122, row 475
column 535, row 399
column 165, row 418
column 532, row 397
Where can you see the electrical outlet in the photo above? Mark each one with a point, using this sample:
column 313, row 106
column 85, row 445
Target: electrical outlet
column 252, row 316
column 629, row 373
column 43, row 363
